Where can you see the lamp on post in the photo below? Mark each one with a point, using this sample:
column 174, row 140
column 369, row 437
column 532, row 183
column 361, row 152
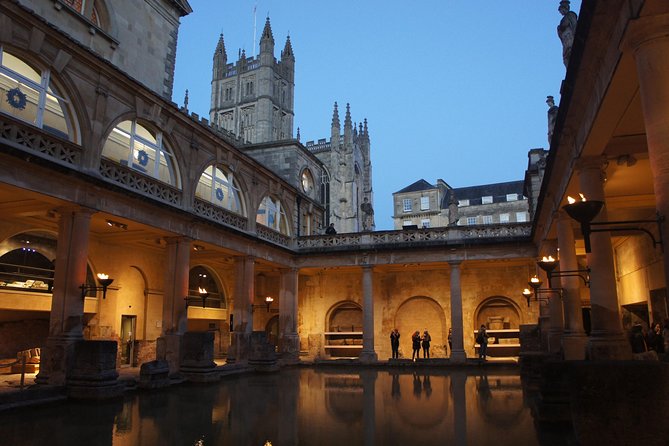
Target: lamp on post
column 585, row 211
column 104, row 280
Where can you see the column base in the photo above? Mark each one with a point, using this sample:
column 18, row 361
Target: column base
column 574, row 346
column 611, row 347
column 56, row 359
column 290, row 349
column 368, row 356
column 555, row 342
column 168, row 348
column 458, row 357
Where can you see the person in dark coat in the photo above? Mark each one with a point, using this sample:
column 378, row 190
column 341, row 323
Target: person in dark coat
column 415, row 344
column 425, row 342
column 395, row 343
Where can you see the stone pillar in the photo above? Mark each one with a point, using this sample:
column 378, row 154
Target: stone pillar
column 288, row 338
column 458, row 354
column 574, row 339
column 368, row 353
column 67, row 305
column 175, row 311
column 242, row 314
column 648, row 37
column 553, row 305
column 607, row 340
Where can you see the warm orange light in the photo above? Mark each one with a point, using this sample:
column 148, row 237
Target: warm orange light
column 535, row 279
column 269, row 299
column 548, row 259
column 202, row 290
column 103, row 276
column 527, row 292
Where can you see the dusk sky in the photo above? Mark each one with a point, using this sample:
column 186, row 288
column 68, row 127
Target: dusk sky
column 451, row 89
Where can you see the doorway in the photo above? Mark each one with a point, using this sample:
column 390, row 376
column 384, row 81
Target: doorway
column 128, row 324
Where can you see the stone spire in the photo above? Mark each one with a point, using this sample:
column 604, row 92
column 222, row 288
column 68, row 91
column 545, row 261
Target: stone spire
column 348, row 126
column 267, row 38
column 366, row 130
column 335, row 118
column 186, row 100
column 220, row 59
column 298, row 134
column 287, row 53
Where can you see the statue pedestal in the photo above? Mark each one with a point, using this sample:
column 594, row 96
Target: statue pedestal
column 154, row 374
column 93, row 374
column 197, row 356
column 262, row 356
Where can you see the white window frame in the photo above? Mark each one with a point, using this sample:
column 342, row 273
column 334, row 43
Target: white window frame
column 424, row 203
column 425, row 223
column 471, row 221
column 462, row 203
column 512, row 197
column 521, row 217
column 487, row 219
column 407, row 205
column 504, row 218
column 486, row 199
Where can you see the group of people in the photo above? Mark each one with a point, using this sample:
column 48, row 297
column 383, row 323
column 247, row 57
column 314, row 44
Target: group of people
column 417, row 341
column 654, row 340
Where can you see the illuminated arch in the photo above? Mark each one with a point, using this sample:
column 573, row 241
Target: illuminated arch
column 272, row 213
column 139, row 146
column 219, row 186
column 28, row 93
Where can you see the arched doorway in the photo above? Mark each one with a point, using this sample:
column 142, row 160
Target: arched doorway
column 420, row 313
column 343, row 335
column 502, row 318
column 272, row 330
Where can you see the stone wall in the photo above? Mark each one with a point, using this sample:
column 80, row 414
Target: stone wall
column 22, row 335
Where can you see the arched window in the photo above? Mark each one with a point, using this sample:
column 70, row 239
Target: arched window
column 200, row 278
column 28, row 94
column 87, row 8
column 307, row 180
column 219, row 186
column 271, row 214
column 132, row 144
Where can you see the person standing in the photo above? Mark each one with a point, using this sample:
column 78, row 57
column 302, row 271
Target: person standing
column 415, row 345
column 482, row 340
column 426, row 344
column 395, row 343
column 331, row 230
column 450, row 340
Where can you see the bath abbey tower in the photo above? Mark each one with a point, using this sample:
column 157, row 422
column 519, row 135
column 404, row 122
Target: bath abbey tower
column 254, row 99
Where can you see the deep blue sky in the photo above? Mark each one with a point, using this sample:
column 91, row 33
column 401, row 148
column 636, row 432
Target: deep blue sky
column 452, row 89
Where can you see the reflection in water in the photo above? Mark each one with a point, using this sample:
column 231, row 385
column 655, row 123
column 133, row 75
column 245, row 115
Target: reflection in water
column 296, row 406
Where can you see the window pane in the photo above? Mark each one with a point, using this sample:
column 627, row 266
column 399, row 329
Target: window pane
column 53, row 118
column 424, row 203
column 18, row 99
column 18, row 66
column 407, row 205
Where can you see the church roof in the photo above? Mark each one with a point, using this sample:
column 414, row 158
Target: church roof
column 417, row 186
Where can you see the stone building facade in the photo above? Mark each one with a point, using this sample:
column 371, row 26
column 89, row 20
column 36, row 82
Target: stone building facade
column 254, row 99
column 424, row 205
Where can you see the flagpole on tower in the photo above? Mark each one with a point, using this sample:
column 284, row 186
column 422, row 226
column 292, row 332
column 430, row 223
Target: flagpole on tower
column 254, row 28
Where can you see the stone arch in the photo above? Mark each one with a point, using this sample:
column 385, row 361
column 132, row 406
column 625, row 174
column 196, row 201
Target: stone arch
column 498, row 312
column 238, row 184
column 422, row 313
column 344, row 316
column 272, row 330
column 214, row 285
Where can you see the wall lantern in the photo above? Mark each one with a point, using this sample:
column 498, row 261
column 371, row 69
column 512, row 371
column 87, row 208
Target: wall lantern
column 585, row 211
column 268, row 302
column 203, row 293
column 104, row 280
column 535, row 283
column 549, row 264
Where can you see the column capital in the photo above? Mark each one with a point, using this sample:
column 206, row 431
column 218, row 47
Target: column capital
column 644, row 30
column 591, row 163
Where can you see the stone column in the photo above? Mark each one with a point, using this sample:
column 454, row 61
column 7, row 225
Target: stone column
column 648, row 37
column 242, row 314
column 554, row 306
column 288, row 338
column 607, row 340
column 67, row 305
column 458, row 354
column 368, row 353
column 574, row 339
column 175, row 311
